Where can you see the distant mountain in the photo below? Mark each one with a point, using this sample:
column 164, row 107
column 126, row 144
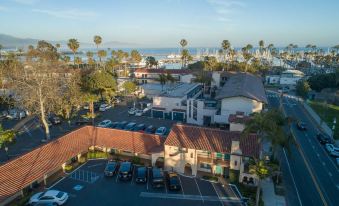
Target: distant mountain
column 8, row 41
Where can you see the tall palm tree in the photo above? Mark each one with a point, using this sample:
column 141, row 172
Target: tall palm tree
column 101, row 54
column 261, row 46
column 268, row 127
column 97, row 40
column 73, row 45
column 162, row 79
column 226, row 45
column 183, row 43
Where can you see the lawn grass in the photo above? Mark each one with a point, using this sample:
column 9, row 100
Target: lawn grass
column 327, row 112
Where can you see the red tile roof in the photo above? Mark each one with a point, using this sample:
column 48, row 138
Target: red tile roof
column 22, row 171
column 213, row 140
column 163, row 71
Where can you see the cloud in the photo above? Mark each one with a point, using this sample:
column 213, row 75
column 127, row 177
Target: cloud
column 28, row 2
column 225, row 9
column 67, row 14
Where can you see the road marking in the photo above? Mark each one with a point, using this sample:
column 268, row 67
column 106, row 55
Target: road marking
column 116, row 179
column 134, row 168
column 182, row 187
column 295, row 185
column 27, row 131
column 310, row 171
column 217, row 194
column 95, row 165
column 202, row 199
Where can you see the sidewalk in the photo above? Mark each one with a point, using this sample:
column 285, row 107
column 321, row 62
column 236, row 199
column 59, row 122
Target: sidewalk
column 269, row 197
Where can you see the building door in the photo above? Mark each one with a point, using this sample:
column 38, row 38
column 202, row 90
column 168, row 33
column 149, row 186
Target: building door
column 188, row 169
column 157, row 114
column 207, row 120
column 178, row 116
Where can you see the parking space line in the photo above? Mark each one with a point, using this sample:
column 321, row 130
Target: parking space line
column 133, row 172
column 182, row 187
column 147, row 178
column 165, row 182
column 116, row 179
column 222, row 203
column 202, row 199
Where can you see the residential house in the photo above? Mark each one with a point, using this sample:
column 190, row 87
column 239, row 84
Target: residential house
column 191, row 150
column 242, row 92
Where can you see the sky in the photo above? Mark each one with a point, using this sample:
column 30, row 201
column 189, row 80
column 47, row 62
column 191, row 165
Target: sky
column 162, row 23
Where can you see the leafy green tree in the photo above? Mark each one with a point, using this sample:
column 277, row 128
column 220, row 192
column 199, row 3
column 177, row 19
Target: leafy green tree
column 45, row 51
column 101, row 82
column 73, row 45
column 129, row 87
column 150, row 61
column 6, row 137
column 322, row 81
column 97, row 40
column 210, row 63
column 302, row 88
column 170, row 78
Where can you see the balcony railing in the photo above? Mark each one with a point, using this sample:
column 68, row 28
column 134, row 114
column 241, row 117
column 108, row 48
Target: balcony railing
column 211, row 160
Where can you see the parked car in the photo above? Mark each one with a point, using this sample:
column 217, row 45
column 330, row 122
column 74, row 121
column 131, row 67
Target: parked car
column 50, row 196
column 105, row 123
column 83, row 121
column 139, row 128
column 138, row 113
column 161, row 131
column 15, row 114
column 125, row 171
column 141, row 176
column 150, row 129
column 54, row 119
column 114, row 124
column 157, row 177
column 324, row 139
column 301, row 125
column 173, row 181
column 130, row 126
column 121, row 125
column 132, row 111
column 333, row 150
column 104, row 107
column 111, row 168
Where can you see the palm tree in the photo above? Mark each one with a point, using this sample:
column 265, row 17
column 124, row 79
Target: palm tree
column 226, row 45
column 246, row 54
column 183, row 43
column 163, row 80
column 66, row 59
column 185, row 57
column 170, row 78
column 73, row 45
column 268, row 127
column 89, row 55
column 90, row 99
column 101, row 54
column 261, row 46
column 97, row 40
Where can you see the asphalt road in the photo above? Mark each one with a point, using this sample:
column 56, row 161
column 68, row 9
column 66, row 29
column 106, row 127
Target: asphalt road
column 311, row 176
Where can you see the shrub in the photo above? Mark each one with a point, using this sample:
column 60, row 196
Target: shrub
column 82, row 160
column 136, row 160
column 96, row 155
column 234, row 176
column 68, row 168
column 208, row 177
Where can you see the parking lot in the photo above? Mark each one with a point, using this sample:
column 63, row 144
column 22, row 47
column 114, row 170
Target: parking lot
column 88, row 186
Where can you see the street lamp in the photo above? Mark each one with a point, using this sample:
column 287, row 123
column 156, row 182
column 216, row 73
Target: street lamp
column 6, row 149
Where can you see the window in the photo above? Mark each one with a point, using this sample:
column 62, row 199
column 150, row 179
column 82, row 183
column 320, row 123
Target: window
column 235, row 163
column 205, row 166
column 227, row 156
column 189, row 109
column 191, row 155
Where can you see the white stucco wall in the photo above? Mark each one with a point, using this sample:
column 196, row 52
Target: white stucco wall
column 289, row 80
column 201, row 112
column 169, row 103
column 177, row 162
column 187, row 78
column 239, row 104
column 237, row 127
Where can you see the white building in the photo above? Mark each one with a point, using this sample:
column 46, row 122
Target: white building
column 172, row 103
column 190, row 150
column 243, row 92
column 290, row 77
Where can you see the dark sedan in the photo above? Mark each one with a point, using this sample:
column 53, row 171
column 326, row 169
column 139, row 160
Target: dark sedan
column 324, row 139
column 301, row 126
column 150, row 130
column 141, row 176
column 139, row 128
column 111, row 168
column 173, row 181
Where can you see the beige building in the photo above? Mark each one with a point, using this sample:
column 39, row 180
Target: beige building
column 190, row 150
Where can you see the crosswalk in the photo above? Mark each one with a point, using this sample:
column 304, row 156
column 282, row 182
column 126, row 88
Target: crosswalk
column 85, row 176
